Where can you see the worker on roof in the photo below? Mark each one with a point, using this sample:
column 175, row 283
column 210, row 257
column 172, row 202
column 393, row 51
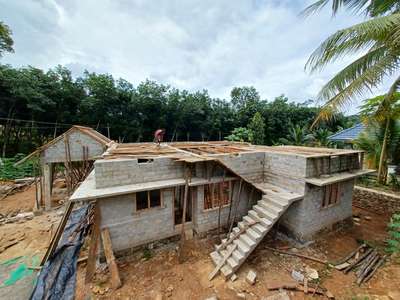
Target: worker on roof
column 159, row 136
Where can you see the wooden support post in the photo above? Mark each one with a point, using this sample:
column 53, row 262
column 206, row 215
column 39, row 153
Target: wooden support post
column 108, row 252
column 94, row 242
column 47, row 177
column 185, row 196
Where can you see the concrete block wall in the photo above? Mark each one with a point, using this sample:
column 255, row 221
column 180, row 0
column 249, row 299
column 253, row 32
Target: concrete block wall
column 129, row 228
column 205, row 220
column 306, row 217
column 249, row 165
column 114, row 172
column 333, row 164
column 286, row 171
column 77, row 139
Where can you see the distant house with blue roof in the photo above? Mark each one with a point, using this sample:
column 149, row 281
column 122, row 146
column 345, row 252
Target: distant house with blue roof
column 348, row 135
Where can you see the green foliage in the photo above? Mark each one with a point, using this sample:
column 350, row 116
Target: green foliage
column 147, row 254
column 132, row 113
column 376, row 39
column 394, row 182
column 240, row 134
column 371, row 8
column 6, row 42
column 8, row 171
column 393, row 243
column 298, row 136
column 257, row 129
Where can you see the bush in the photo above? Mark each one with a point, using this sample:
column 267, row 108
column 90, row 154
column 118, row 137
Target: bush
column 393, row 243
column 9, row 172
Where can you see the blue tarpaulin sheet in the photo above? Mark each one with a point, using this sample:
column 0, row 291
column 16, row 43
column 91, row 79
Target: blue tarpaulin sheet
column 57, row 278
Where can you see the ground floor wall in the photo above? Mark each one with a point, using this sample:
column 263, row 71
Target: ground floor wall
column 207, row 219
column 308, row 216
column 130, row 228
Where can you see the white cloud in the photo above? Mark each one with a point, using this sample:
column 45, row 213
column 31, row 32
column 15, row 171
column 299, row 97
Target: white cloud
column 212, row 45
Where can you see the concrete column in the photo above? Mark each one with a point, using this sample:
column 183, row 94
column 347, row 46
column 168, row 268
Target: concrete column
column 47, row 183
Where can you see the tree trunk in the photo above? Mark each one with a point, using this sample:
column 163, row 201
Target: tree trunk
column 383, row 156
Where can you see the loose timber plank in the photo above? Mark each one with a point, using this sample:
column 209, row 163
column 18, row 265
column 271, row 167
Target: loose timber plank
column 222, row 262
column 112, row 266
column 94, row 242
column 60, row 229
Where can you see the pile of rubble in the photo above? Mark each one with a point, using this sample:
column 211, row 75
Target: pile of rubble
column 17, row 185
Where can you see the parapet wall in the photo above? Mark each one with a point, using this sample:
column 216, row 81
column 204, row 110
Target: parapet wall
column 333, row 164
column 116, row 172
column 286, row 171
column 249, row 165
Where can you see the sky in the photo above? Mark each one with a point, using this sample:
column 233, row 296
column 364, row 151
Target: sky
column 193, row 45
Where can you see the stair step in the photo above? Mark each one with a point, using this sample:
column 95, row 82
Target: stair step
column 239, row 257
column 249, row 220
column 269, row 206
column 232, row 262
column 243, row 248
column 227, row 271
column 265, row 213
column 253, row 234
column 260, row 228
column 216, row 257
column 278, row 202
column 249, row 241
column 253, row 214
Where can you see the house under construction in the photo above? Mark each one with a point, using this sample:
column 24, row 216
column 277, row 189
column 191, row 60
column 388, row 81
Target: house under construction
column 147, row 192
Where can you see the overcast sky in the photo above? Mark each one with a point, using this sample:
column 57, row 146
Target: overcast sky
column 206, row 44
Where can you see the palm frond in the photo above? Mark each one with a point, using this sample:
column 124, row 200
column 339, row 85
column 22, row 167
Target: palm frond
column 368, row 34
column 356, row 85
column 368, row 7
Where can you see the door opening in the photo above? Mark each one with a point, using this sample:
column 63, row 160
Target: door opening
column 179, row 194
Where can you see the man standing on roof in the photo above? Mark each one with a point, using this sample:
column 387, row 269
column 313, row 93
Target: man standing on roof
column 159, row 136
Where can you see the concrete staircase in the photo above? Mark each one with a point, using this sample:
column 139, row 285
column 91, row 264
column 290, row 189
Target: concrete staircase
column 254, row 226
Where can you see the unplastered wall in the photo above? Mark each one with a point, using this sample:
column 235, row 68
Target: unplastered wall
column 114, row 172
column 306, row 217
column 249, row 165
column 129, row 228
column 77, row 139
column 205, row 220
column 333, row 164
column 286, row 171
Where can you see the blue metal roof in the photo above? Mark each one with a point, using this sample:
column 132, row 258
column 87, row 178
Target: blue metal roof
column 348, row 135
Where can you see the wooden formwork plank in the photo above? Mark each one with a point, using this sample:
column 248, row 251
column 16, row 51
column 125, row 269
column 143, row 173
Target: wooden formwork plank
column 112, row 265
column 94, row 242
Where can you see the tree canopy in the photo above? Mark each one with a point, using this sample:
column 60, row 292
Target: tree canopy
column 37, row 105
column 6, row 42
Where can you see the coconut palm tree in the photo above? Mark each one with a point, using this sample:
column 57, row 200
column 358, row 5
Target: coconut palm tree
column 379, row 40
column 298, row 136
column 379, row 110
column 369, row 7
column 321, row 137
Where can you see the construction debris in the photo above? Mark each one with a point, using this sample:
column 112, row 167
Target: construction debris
column 364, row 260
column 279, row 296
column 17, row 218
column 15, row 186
column 298, row 255
column 251, row 277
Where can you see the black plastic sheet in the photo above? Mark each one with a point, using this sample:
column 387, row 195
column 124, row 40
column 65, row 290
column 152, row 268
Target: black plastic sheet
column 57, row 278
